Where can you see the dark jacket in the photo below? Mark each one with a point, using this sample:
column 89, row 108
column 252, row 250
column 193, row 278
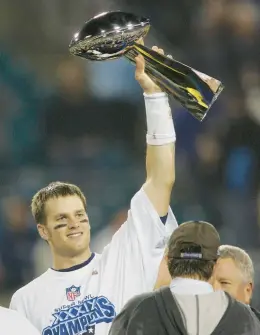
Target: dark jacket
column 159, row 313
column 256, row 312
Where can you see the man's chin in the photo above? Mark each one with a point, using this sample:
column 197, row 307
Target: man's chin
column 77, row 249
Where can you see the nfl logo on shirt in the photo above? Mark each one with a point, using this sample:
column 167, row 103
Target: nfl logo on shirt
column 72, row 292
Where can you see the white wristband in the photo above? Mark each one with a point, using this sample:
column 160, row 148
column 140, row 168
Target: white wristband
column 160, row 127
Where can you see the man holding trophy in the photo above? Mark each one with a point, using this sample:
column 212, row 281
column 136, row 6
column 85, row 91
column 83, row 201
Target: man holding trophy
column 83, row 292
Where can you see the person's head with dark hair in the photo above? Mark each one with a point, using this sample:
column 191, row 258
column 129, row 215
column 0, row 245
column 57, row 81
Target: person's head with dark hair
column 193, row 250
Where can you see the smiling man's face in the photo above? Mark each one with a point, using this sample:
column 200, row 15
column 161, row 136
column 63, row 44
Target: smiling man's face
column 66, row 226
column 229, row 278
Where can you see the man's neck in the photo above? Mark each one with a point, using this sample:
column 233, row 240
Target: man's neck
column 188, row 285
column 197, row 278
column 63, row 262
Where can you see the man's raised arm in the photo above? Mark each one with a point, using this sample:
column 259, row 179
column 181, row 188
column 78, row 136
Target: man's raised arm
column 160, row 157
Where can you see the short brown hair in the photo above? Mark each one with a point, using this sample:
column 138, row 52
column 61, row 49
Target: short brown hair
column 53, row 190
column 191, row 268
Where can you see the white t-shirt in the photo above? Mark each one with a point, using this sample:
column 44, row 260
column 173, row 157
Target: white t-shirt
column 13, row 323
column 86, row 300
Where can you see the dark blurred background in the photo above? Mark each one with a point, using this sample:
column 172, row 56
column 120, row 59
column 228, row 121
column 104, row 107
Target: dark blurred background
column 63, row 118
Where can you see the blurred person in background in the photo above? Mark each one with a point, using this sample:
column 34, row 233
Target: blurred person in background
column 79, row 126
column 225, row 167
column 240, row 166
column 41, row 258
column 83, row 291
column 234, row 274
column 17, row 240
column 67, row 112
column 206, row 171
column 21, row 142
column 221, row 29
column 225, row 172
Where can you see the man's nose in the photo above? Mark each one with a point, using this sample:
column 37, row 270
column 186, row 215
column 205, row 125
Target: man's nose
column 73, row 223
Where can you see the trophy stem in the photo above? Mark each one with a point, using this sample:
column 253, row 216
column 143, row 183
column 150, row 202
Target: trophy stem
column 193, row 89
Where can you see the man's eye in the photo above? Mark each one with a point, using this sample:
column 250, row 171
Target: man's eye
column 60, row 218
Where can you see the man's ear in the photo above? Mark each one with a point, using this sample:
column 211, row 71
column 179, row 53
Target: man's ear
column 43, row 231
column 249, row 292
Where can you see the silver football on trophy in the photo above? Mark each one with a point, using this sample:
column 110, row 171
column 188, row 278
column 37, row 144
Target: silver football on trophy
column 108, row 35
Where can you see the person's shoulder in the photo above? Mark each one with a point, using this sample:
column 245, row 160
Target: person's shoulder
column 10, row 315
column 256, row 312
column 139, row 314
column 6, row 312
column 32, row 286
column 243, row 306
column 144, row 297
column 140, row 301
column 14, row 322
column 246, row 310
